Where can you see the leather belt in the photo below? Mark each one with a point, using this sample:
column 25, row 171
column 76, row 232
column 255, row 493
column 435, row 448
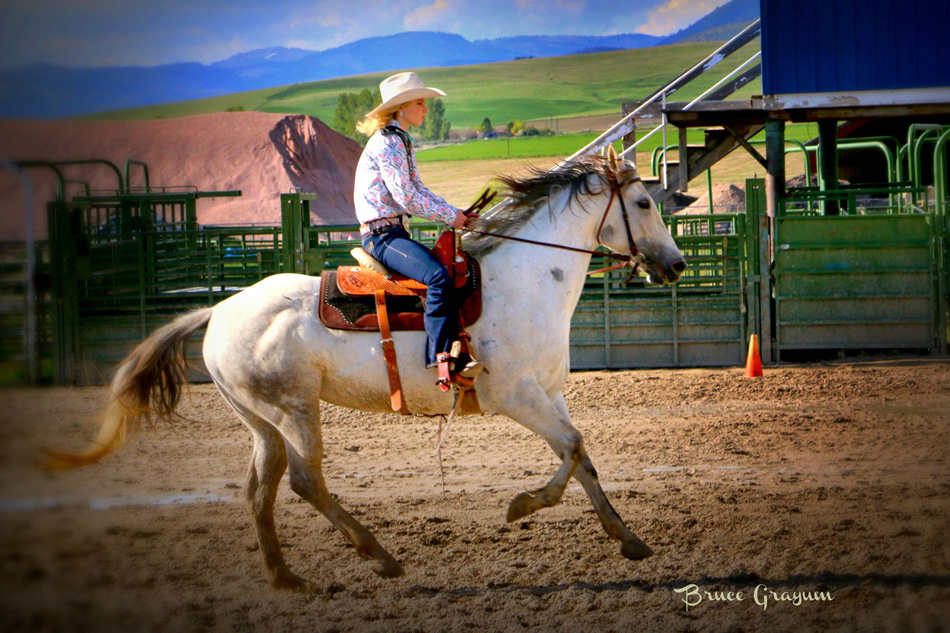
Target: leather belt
column 375, row 225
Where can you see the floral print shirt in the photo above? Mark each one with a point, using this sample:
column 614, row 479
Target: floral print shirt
column 388, row 186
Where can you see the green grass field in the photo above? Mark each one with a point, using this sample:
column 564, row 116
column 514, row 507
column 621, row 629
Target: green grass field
column 566, row 144
column 523, row 89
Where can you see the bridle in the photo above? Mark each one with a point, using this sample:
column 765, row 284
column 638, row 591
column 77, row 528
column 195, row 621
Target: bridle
column 634, row 259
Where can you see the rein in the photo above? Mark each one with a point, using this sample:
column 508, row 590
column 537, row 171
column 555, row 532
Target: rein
column 633, row 259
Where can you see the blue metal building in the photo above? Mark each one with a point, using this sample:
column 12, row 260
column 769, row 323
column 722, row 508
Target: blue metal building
column 847, row 46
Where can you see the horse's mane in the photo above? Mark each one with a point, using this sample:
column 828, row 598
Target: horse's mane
column 524, row 197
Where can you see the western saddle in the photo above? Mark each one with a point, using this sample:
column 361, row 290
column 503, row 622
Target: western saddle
column 368, row 297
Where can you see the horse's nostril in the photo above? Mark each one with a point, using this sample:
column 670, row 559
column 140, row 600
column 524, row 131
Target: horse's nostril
column 679, row 266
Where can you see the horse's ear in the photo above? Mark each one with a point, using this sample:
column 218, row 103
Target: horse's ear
column 613, row 163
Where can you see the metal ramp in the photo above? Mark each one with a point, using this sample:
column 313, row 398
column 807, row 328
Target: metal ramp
column 720, row 140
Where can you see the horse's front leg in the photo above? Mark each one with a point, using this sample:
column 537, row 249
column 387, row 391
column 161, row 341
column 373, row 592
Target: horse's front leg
column 630, row 545
column 531, row 407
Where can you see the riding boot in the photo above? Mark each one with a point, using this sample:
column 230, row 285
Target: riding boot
column 467, row 367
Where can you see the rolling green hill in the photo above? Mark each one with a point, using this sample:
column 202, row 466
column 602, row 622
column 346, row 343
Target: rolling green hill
column 525, row 89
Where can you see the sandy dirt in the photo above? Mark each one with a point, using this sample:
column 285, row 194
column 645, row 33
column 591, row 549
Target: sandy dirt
column 828, row 481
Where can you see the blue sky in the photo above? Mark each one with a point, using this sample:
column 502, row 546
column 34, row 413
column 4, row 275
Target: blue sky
column 149, row 33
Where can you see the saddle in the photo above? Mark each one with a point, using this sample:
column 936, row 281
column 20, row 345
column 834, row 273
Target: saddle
column 369, row 298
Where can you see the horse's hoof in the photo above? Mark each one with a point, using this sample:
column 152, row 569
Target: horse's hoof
column 387, row 568
column 293, row 582
column 520, row 506
column 636, row 549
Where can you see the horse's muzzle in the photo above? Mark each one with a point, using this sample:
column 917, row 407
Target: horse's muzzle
column 660, row 275
column 677, row 269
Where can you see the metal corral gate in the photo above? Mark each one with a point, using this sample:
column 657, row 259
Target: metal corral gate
column 701, row 321
column 123, row 266
column 874, row 278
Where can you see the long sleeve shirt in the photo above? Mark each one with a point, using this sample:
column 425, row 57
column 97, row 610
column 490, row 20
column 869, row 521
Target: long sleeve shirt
column 387, row 185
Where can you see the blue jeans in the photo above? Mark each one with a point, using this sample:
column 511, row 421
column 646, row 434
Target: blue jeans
column 393, row 247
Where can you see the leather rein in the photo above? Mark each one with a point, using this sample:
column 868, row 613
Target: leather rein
column 634, row 259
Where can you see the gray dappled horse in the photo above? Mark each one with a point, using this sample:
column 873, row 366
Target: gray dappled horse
column 274, row 362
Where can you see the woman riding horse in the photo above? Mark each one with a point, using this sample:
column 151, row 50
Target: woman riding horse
column 388, row 190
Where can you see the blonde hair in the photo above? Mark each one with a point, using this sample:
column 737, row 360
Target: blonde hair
column 373, row 122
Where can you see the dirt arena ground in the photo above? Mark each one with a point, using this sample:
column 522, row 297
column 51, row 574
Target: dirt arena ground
column 816, row 498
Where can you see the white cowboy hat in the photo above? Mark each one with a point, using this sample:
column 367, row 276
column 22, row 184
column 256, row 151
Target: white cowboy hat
column 403, row 88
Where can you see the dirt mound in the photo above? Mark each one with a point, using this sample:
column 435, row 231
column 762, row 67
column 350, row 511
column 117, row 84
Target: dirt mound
column 261, row 154
column 727, row 198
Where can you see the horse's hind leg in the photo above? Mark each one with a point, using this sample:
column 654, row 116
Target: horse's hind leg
column 268, row 463
column 631, row 546
column 304, row 444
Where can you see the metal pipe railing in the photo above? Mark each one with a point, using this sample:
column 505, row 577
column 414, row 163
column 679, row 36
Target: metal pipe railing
column 913, row 144
column 128, row 178
column 941, row 222
column 29, row 329
column 95, row 161
column 625, row 125
column 691, row 104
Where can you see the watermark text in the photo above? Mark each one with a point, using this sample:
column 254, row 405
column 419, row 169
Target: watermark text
column 692, row 596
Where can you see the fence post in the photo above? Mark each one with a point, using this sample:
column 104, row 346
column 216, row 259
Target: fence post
column 64, row 230
column 759, row 289
column 295, row 225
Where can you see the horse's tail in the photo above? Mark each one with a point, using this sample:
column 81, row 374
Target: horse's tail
column 149, row 381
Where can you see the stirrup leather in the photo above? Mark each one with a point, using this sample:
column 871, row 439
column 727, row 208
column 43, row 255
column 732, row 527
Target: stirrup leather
column 397, row 401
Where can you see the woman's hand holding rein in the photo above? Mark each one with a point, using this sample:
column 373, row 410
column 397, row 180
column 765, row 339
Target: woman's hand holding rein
column 463, row 219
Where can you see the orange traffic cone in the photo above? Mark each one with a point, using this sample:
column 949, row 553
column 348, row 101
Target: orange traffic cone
column 753, row 365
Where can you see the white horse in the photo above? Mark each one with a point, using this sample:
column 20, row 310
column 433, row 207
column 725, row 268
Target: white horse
column 274, row 362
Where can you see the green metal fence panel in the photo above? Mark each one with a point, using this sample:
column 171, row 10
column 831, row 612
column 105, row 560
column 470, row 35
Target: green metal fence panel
column 941, row 203
column 14, row 348
column 327, row 247
column 855, row 282
column 125, row 266
column 699, row 322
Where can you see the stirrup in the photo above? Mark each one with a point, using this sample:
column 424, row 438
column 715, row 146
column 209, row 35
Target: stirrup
column 445, row 375
column 464, row 377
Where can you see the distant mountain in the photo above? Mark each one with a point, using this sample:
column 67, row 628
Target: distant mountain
column 721, row 33
column 557, row 45
column 45, row 91
column 720, row 24
column 416, row 49
column 264, row 55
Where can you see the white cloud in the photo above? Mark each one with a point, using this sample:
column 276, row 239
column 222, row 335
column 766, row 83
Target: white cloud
column 674, row 15
column 426, row 14
column 571, row 6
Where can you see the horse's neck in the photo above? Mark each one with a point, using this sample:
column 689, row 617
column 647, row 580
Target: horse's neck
column 556, row 276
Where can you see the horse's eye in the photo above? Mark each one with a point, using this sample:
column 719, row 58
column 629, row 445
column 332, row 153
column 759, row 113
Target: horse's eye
column 643, row 203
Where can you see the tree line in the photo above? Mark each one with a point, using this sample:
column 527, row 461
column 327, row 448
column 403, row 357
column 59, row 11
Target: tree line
column 351, row 107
